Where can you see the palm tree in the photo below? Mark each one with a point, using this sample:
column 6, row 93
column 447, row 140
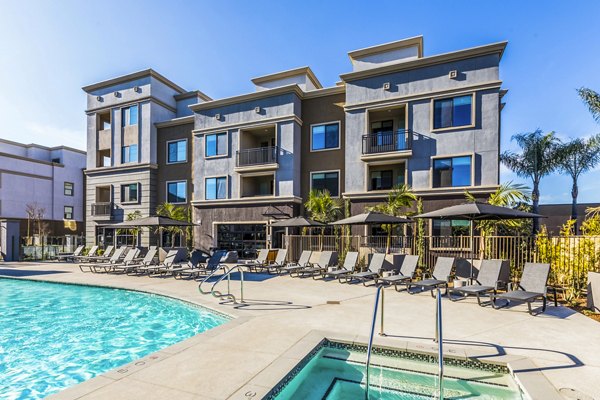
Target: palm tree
column 172, row 211
column 537, row 159
column 399, row 198
column 132, row 216
column 592, row 100
column 323, row 208
column 575, row 158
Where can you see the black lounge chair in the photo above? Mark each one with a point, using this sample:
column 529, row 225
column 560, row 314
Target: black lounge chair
column 532, row 287
column 488, row 281
column 405, row 274
column 375, row 268
column 212, row 263
column 303, row 262
column 349, row 267
column 70, row 256
column 442, row 274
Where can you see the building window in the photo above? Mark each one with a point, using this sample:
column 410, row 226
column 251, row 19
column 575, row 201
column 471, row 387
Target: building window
column 326, row 136
column 453, row 227
column 129, row 154
column 216, row 145
column 215, row 188
column 68, row 212
column 329, row 181
column 129, row 115
column 177, row 192
column 382, row 180
column 177, row 151
column 454, row 171
column 69, row 188
column 130, row 193
column 452, row 112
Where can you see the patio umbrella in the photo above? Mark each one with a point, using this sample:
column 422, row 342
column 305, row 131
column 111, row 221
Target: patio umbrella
column 296, row 222
column 476, row 211
column 371, row 218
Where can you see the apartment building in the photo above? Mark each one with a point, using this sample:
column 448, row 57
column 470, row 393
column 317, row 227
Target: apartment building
column 47, row 179
column 399, row 116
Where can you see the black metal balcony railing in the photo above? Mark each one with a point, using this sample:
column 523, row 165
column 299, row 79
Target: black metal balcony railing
column 383, row 142
column 257, row 156
column 102, row 209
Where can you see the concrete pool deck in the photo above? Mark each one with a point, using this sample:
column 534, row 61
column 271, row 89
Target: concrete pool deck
column 282, row 311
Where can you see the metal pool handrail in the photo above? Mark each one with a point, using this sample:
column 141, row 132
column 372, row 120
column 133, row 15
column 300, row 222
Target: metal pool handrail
column 219, row 267
column 378, row 294
column 440, row 340
column 227, row 275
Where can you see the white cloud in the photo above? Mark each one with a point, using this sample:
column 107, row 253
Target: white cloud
column 48, row 135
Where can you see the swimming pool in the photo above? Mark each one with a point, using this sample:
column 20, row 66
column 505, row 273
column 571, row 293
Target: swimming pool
column 57, row 335
column 337, row 371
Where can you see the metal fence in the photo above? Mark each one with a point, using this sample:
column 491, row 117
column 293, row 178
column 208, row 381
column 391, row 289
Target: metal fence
column 34, row 249
column 570, row 257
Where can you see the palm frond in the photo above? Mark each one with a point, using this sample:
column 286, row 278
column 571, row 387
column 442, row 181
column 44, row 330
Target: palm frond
column 592, row 101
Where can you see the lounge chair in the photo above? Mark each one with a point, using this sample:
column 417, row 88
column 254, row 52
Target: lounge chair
column 114, row 259
column 137, row 263
column 442, row 274
column 259, row 261
column 105, row 257
column 531, row 288
column 276, row 266
column 326, row 260
column 405, row 274
column 372, row 273
column 302, row 262
column 90, row 255
column 129, row 258
column 192, row 263
column 70, row 256
column 349, row 267
column 200, row 269
column 168, row 262
column 487, row 282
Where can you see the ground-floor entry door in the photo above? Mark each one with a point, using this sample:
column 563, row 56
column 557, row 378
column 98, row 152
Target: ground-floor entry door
column 246, row 239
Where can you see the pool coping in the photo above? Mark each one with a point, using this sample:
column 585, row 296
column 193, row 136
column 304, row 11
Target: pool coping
column 523, row 370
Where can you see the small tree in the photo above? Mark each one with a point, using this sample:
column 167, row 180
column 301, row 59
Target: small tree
column 577, row 157
column 135, row 232
column 323, row 208
column 538, row 158
column 399, row 198
column 420, row 245
column 172, row 211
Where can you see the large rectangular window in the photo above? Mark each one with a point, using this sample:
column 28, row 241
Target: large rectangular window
column 329, row 181
column 452, row 112
column 215, row 188
column 382, row 180
column 326, row 136
column 69, row 189
column 130, row 193
column 129, row 115
column 177, row 151
column 449, row 227
column 216, row 144
column 129, row 154
column 177, row 192
column 68, row 212
column 454, row 171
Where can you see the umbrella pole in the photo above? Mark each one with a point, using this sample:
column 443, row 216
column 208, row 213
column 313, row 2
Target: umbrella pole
column 472, row 251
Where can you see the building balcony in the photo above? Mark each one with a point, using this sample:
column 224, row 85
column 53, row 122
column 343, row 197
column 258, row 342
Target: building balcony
column 257, row 159
column 102, row 209
column 381, row 145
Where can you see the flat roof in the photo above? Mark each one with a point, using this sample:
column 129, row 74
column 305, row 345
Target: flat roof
column 133, row 76
column 39, row 146
column 386, row 47
column 287, row 74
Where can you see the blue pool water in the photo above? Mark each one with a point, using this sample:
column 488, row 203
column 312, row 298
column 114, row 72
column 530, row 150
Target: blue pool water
column 54, row 335
column 339, row 374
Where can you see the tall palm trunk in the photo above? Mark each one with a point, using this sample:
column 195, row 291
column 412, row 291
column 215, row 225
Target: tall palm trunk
column 574, row 194
column 535, row 199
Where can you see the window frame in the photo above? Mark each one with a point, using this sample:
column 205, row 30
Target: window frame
column 325, row 172
column 226, row 177
column 137, row 201
column 186, row 151
column 65, row 213
column 137, row 153
column 65, row 189
column 445, row 97
column 167, row 191
column 339, row 146
column 451, row 156
column 226, row 154
column 123, row 110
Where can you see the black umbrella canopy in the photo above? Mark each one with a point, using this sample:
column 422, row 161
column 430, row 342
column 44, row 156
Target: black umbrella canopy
column 477, row 211
column 296, row 222
column 151, row 221
column 371, row 218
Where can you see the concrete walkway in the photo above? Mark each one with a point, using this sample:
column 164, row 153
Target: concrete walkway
column 280, row 311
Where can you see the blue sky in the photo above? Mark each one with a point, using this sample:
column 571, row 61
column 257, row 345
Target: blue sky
column 49, row 50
